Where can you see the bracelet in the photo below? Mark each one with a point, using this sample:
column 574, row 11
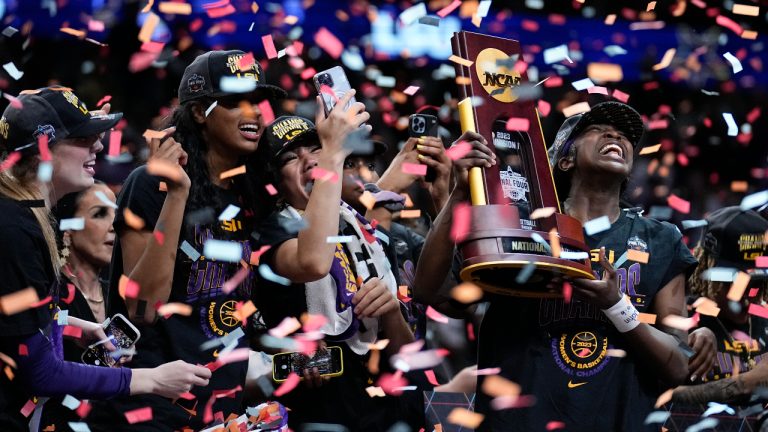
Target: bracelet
column 623, row 315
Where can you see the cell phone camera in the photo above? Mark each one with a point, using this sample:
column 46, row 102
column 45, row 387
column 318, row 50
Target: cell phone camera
column 325, row 79
column 418, row 125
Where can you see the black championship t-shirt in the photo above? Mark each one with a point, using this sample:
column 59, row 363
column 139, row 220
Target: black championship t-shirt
column 198, row 283
column 24, row 262
column 558, row 352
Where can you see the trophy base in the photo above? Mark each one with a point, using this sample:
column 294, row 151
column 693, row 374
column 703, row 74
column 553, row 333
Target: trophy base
column 497, row 248
column 499, row 277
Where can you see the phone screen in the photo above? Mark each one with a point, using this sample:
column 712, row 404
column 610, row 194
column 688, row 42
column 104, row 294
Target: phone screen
column 327, row 362
column 123, row 335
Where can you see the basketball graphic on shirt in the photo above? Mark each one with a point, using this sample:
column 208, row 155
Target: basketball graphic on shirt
column 584, row 344
column 227, row 314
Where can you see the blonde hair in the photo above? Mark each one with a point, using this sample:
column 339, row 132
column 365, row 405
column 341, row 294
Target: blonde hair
column 20, row 183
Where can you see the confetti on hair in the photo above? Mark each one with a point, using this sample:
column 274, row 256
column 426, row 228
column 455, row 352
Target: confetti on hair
column 10, row 161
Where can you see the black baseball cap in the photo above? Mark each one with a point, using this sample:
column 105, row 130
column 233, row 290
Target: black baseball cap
column 204, row 76
column 619, row 115
column 286, row 133
column 734, row 238
column 53, row 111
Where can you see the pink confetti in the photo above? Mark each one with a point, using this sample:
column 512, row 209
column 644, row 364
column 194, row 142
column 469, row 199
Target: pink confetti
column 431, row 377
column 247, row 61
column 103, row 100
column 75, row 332
column 436, row 316
column 10, row 161
column 761, row 261
column 487, row 371
column 84, row 409
column 329, row 43
column 554, row 81
column 139, row 415
column 729, row 24
column 461, row 220
column 518, row 124
column 150, row 47
column 567, row 292
column 95, row 26
column 289, row 384
column 238, row 355
column 658, row 124
column 23, row 350
column 411, row 90
column 269, row 46
column 753, row 292
column 757, row 310
column 415, row 169
column 287, row 326
column 314, row 322
column 679, row 204
column 308, row 73
column 271, row 189
column 115, row 137
column 555, row 425
column 620, row 96
column 159, row 237
column 266, row 111
column 42, row 144
column 458, row 150
column 28, row 407
column 207, row 414
column 318, row 173
column 442, row 13
column 236, row 280
column 544, row 107
column 392, row 383
column 15, row 102
column 221, row 12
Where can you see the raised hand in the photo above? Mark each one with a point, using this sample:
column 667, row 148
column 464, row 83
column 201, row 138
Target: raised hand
column 603, row 293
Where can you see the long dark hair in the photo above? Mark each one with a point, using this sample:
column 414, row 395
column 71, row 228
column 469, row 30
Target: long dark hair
column 203, row 193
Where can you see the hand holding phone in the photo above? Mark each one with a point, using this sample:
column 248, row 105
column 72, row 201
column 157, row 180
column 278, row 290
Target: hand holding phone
column 123, row 336
column 421, row 125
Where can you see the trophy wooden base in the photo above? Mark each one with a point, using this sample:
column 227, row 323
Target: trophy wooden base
column 493, row 257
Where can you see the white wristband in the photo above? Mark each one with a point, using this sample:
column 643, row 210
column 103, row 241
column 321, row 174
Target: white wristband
column 623, row 315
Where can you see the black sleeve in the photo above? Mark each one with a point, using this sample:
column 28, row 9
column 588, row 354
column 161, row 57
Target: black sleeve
column 275, row 230
column 140, row 194
column 682, row 260
column 24, row 263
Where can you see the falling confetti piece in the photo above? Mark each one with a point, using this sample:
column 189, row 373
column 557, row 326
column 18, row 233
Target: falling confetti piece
column 73, row 224
column 518, row 124
column 127, row 288
column 436, row 316
column 638, row 256
column 175, row 308
column 459, row 150
column 466, row 418
column 735, row 63
column 414, row 169
column 223, row 250
column 577, row 108
column 597, row 225
column 461, row 61
column 757, row 310
column 646, row 318
column 461, row 222
column 754, row 200
column 289, row 384
column 467, row 293
column 554, row 425
column 411, row 90
column 412, row 14
column 329, row 42
column 679, row 204
column 18, row 301
column 543, row 212
column 233, row 172
column 733, row 129
column 139, row 415
column 132, row 220
column 229, row 213
column 657, row 417
column 269, row 46
column 556, row 54
column 649, row 149
column 738, row 287
column 665, row 60
column 442, row 13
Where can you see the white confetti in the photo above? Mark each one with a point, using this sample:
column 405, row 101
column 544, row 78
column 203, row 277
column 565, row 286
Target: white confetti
column 103, row 198
column 583, row 84
column 12, row 71
column 44, row 172
column 622, row 259
column 707, row 423
column 657, row 417
column 74, row 224
column 386, row 81
column 719, row 274
column 232, row 84
column 689, row 224
column 79, row 427
column 62, row 317
column 339, row 239
column 717, row 408
column 556, row 54
column 70, row 402
column 229, row 213
column 190, row 251
column 733, row 129
column 540, row 240
column 268, row 274
column 413, row 13
column 735, row 63
column 574, row 255
column 526, row 272
column 223, row 250
column 614, row 50
column 482, row 10
column 754, row 200
column 597, row 225
column 211, row 107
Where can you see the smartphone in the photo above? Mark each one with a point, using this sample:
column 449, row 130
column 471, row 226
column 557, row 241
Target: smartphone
column 329, row 362
column 336, row 80
column 123, row 335
column 420, row 125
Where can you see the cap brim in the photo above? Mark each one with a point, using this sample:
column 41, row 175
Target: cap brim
column 621, row 116
column 758, row 274
column 95, row 125
column 298, row 140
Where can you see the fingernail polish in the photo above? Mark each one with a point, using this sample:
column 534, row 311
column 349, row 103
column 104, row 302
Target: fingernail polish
column 419, row 146
column 421, row 156
column 421, row 140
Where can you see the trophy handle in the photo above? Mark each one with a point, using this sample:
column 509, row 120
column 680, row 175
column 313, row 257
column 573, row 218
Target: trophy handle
column 476, row 183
